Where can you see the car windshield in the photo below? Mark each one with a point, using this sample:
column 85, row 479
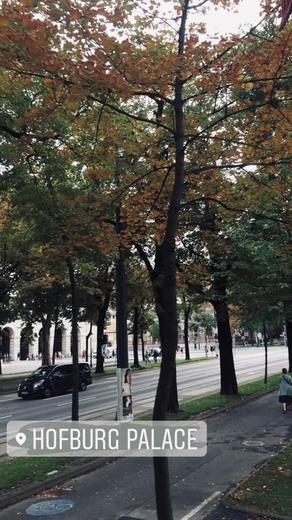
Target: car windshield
column 42, row 371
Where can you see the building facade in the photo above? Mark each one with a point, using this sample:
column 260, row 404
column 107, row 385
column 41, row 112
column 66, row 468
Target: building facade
column 20, row 342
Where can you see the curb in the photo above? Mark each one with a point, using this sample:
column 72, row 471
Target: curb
column 266, row 516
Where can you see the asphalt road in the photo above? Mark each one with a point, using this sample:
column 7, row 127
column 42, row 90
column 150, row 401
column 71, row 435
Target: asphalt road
column 100, row 398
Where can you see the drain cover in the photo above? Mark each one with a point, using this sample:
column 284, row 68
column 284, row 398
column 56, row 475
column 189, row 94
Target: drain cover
column 253, row 444
column 50, row 507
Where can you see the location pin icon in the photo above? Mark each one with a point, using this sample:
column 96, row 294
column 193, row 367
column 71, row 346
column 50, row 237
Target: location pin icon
column 20, row 438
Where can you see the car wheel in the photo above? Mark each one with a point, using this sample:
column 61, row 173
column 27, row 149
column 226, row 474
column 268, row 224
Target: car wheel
column 47, row 392
column 83, row 386
column 24, row 396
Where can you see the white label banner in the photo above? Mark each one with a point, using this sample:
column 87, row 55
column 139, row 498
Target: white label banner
column 107, row 439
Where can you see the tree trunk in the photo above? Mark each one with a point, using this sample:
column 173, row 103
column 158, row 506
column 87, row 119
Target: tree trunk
column 0, row 350
column 142, row 343
column 55, row 330
column 55, row 341
column 266, row 353
column 166, row 263
column 164, row 285
column 186, row 331
column 99, row 369
column 289, row 342
column 227, row 369
column 166, row 305
column 87, row 341
column 75, row 357
column 135, row 337
column 157, row 276
column 173, row 406
column 46, row 327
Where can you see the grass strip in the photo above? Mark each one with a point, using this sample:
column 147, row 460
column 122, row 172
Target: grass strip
column 218, row 401
column 215, row 402
column 269, row 489
column 23, row 472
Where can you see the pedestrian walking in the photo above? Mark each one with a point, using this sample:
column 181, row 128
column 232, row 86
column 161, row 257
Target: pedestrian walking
column 285, row 389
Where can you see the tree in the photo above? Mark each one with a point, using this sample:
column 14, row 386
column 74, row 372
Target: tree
column 263, row 267
column 140, row 298
column 187, row 114
column 46, row 203
column 286, row 11
column 9, row 262
column 207, row 275
column 96, row 280
column 188, row 305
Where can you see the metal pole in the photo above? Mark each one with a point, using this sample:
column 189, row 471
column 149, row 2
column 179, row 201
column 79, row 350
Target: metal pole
column 121, row 316
column 122, row 336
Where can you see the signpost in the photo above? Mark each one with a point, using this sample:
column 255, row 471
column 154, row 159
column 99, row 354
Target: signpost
column 124, row 389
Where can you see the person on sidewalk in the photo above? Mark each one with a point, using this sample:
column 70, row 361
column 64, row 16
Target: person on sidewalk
column 285, row 389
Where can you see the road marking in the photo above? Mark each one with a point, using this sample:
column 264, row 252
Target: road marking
column 87, row 398
column 203, row 504
column 84, row 399
column 5, row 416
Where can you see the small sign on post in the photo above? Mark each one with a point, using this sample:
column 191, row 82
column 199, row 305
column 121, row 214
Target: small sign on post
column 125, row 402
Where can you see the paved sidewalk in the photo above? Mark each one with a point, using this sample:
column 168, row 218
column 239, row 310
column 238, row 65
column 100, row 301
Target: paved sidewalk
column 239, row 440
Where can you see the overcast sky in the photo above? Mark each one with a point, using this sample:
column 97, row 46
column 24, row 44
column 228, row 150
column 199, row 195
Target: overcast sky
column 223, row 22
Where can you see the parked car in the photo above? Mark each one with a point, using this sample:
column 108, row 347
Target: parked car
column 50, row 380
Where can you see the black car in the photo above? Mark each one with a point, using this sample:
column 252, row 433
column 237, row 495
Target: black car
column 52, row 380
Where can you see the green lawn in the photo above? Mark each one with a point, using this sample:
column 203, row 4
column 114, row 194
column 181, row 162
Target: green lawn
column 21, row 473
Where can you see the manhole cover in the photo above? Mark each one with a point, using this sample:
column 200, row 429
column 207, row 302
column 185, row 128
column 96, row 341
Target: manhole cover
column 253, row 443
column 50, row 507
